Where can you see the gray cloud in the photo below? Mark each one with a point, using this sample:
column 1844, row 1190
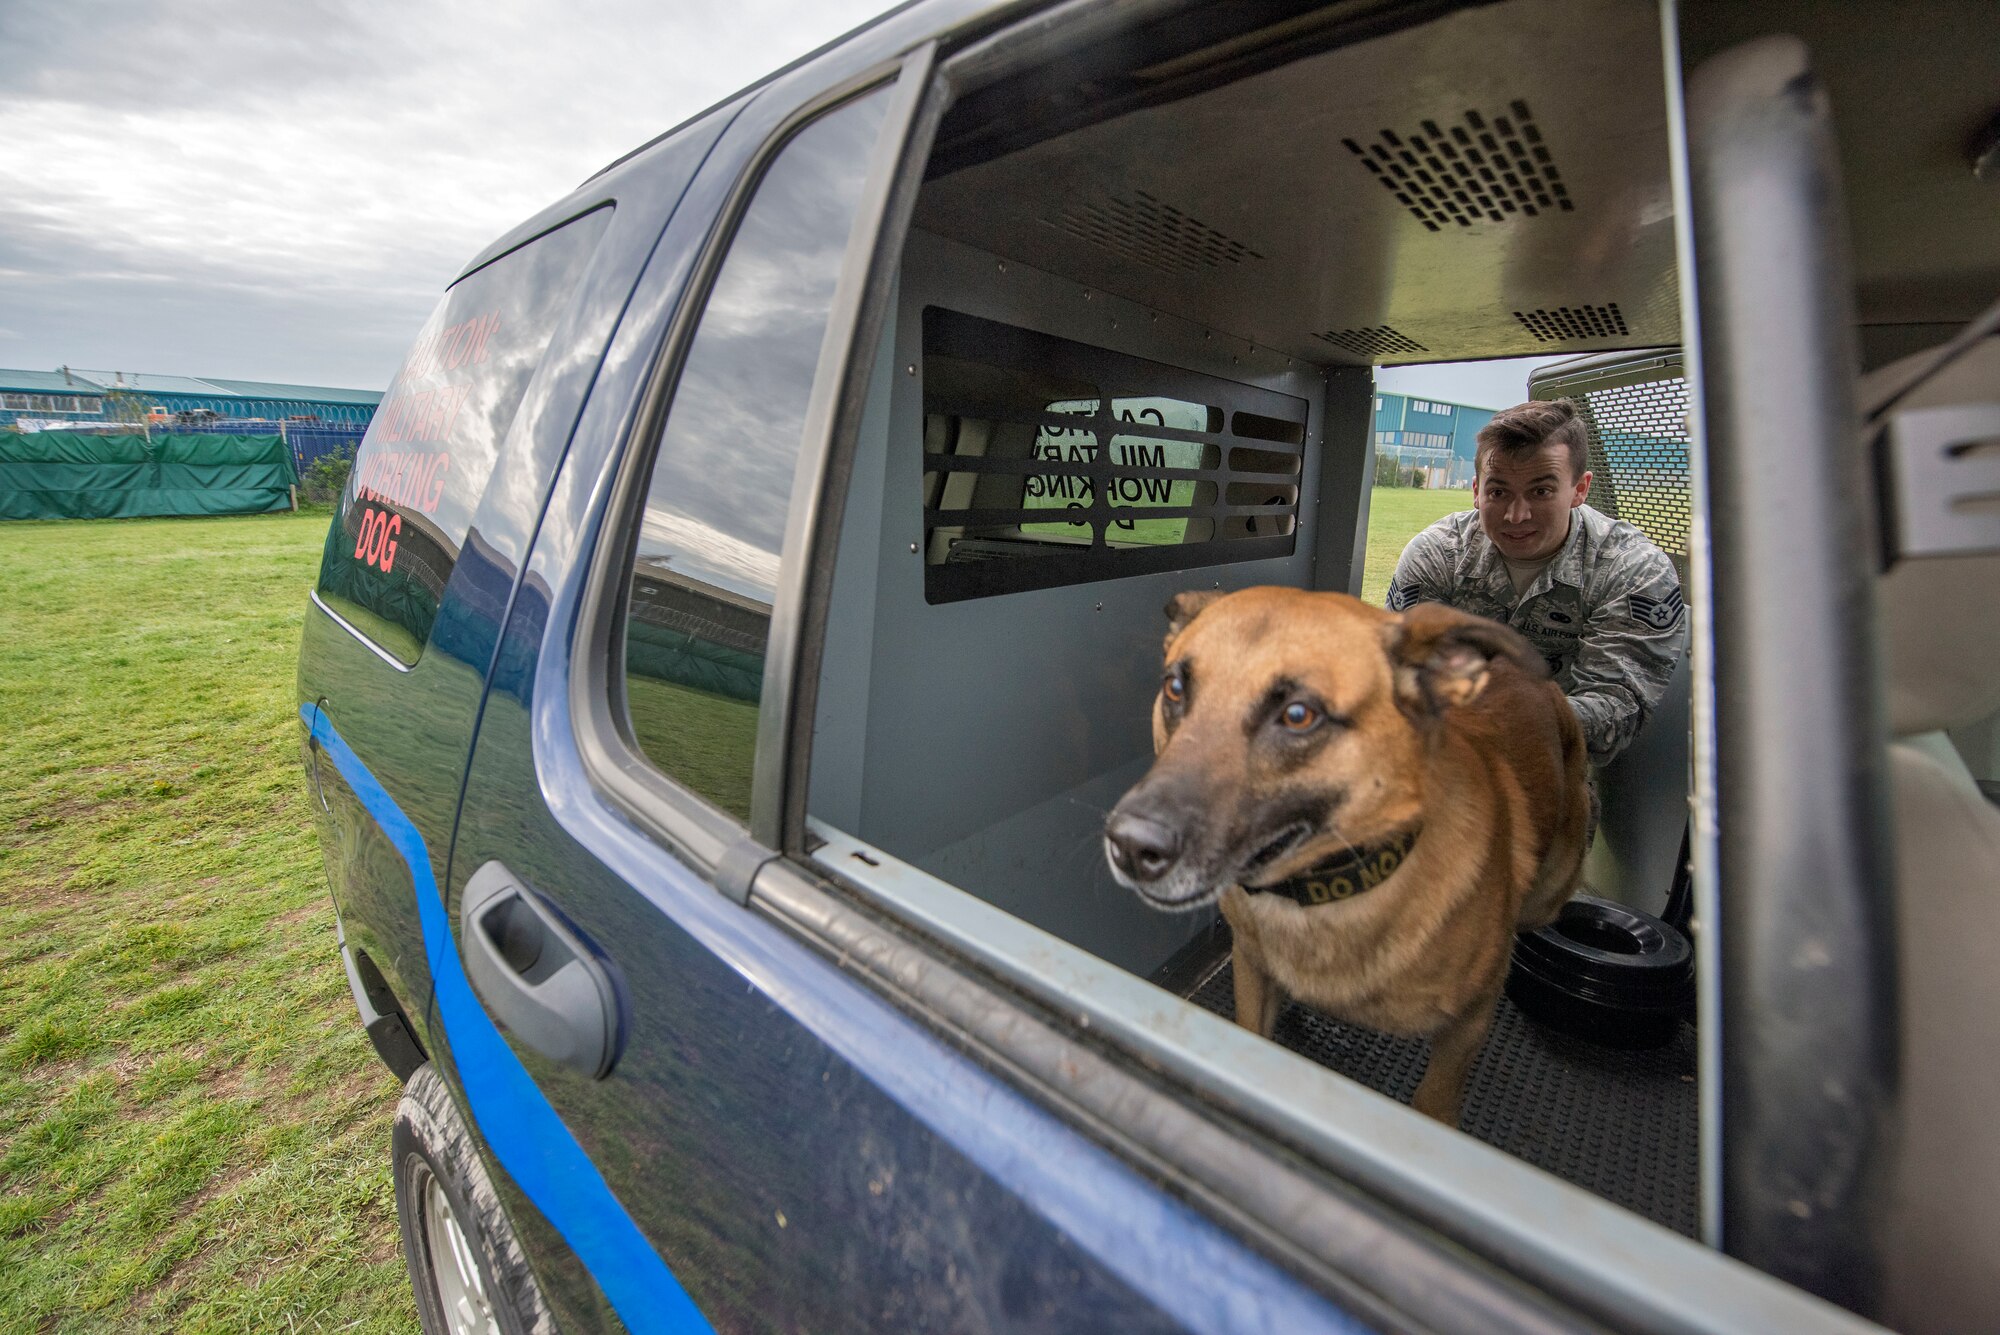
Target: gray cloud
column 238, row 188
column 137, row 53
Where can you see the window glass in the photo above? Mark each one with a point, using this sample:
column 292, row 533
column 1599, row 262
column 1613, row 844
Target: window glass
column 706, row 567
column 421, row 468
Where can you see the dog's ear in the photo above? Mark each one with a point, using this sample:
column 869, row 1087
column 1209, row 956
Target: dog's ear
column 1442, row 658
column 1185, row 607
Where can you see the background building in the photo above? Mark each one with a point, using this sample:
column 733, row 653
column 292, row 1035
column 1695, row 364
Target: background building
column 48, row 396
column 1434, row 438
column 315, row 419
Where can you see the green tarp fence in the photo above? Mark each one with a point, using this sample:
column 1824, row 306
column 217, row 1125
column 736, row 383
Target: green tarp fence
column 688, row 660
column 69, row 475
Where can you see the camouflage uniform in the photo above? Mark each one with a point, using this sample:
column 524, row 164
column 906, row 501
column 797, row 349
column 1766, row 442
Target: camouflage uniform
column 1606, row 612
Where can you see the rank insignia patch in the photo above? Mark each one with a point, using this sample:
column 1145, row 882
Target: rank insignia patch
column 1659, row 613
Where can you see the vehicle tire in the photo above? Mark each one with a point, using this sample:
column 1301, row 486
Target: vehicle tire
column 466, row 1266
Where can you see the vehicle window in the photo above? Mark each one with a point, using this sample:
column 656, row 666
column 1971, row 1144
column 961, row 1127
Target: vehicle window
column 1152, row 467
column 706, row 564
column 421, row 468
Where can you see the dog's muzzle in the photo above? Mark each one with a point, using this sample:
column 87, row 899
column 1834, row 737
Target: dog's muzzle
column 1141, row 850
column 1151, row 849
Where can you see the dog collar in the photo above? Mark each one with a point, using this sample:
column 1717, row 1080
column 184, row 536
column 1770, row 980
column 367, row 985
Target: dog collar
column 1343, row 877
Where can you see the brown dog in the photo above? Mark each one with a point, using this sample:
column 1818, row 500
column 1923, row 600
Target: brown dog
column 1380, row 801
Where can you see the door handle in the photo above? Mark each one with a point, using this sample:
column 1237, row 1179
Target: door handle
column 536, row 974
column 313, row 756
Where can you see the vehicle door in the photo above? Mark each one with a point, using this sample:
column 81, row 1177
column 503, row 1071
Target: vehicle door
column 421, row 559
column 712, row 1123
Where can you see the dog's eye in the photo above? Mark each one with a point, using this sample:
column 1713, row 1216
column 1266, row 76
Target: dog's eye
column 1174, row 688
column 1299, row 716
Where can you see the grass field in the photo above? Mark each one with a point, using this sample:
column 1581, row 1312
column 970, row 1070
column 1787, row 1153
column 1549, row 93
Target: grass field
column 194, row 1134
column 193, row 1130
column 1395, row 515
column 705, row 741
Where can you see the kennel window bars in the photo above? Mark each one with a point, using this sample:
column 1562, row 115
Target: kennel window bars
column 1048, row 462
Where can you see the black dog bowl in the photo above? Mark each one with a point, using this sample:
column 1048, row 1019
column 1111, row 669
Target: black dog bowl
column 1605, row 973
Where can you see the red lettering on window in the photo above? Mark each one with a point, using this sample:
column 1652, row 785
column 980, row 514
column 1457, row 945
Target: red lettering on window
column 485, row 332
column 375, row 544
column 413, row 366
column 458, row 401
column 423, row 482
column 437, row 487
column 450, row 347
column 440, row 409
column 399, row 484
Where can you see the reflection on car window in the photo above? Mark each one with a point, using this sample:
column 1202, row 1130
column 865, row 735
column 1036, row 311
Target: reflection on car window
column 706, row 567
column 431, row 445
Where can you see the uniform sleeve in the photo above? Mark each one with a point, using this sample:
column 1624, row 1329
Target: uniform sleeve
column 1631, row 642
column 1423, row 574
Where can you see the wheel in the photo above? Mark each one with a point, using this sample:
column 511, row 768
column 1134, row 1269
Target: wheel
column 465, row 1264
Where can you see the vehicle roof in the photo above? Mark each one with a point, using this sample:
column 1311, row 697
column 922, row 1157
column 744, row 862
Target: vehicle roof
column 1597, row 273
column 1278, row 208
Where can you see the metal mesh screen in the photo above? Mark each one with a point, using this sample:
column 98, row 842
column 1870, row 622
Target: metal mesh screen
column 1638, row 421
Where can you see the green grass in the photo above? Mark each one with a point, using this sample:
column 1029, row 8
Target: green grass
column 193, row 1130
column 1395, row 515
column 705, row 741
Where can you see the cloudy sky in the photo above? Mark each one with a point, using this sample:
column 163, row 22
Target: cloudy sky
column 281, row 189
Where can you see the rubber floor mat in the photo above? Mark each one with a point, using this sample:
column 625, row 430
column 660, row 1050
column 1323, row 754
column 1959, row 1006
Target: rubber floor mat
column 1621, row 1124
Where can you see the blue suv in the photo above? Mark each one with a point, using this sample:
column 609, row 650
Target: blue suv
column 746, row 605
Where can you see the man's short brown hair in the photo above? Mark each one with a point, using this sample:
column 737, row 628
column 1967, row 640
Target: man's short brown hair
column 1526, row 427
